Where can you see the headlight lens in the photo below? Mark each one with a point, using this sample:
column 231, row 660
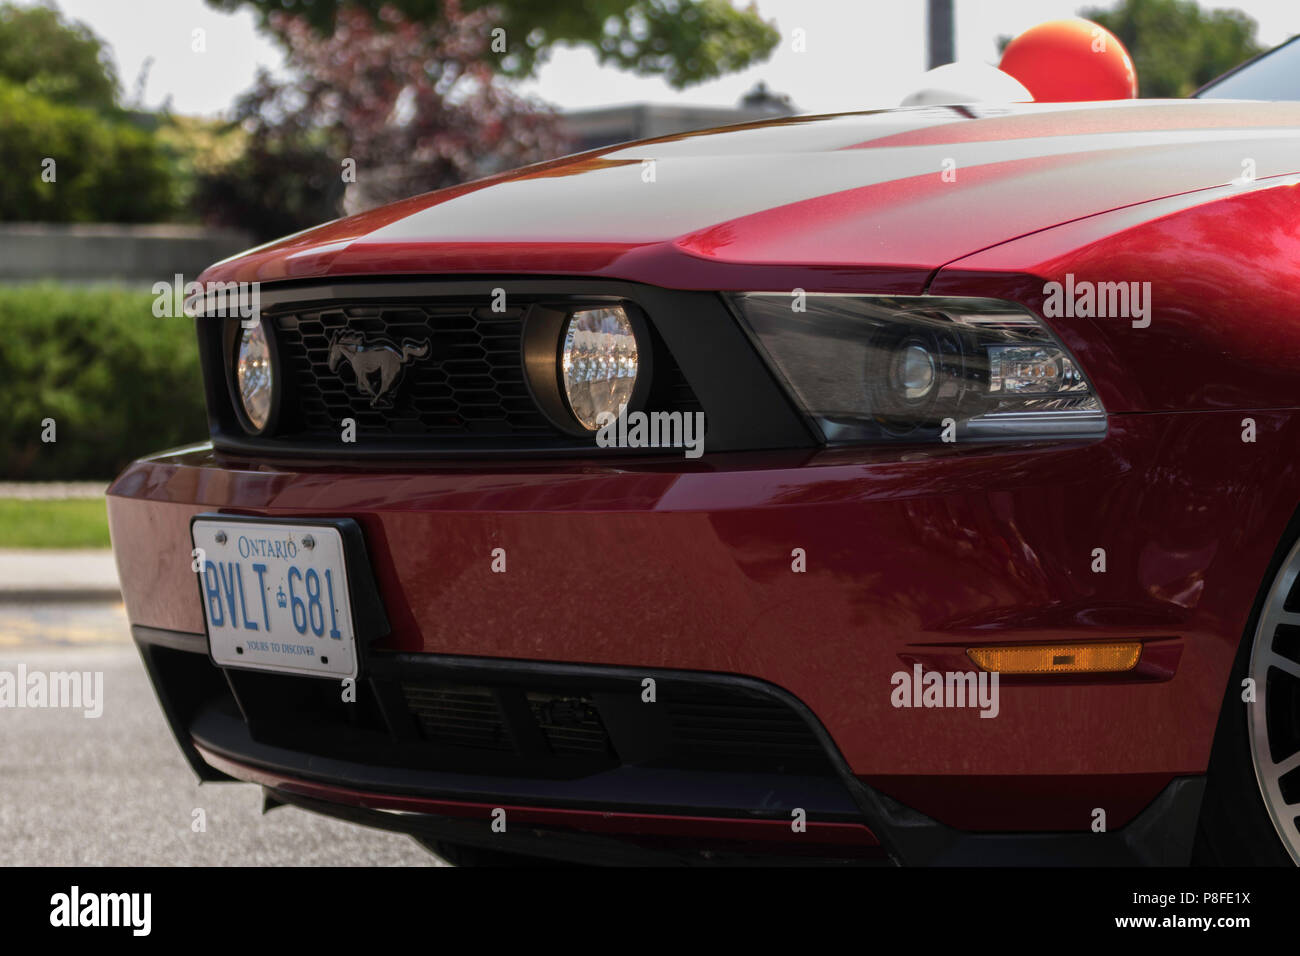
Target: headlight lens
column 598, row 363
column 878, row 368
column 253, row 376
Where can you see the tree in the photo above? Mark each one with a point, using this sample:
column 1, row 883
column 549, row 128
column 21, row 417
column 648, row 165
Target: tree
column 70, row 153
column 71, row 164
column 284, row 179
column 62, row 61
column 1176, row 46
column 397, row 106
column 685, row 41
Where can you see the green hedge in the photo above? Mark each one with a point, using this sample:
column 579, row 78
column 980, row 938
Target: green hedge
column 106, row 170
column 117, row 381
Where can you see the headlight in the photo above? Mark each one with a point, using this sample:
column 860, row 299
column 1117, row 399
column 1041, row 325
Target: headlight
column 254, row 377
column 878, row 368
column 598, row 363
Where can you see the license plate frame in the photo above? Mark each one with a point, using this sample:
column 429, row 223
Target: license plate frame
column 356, row 603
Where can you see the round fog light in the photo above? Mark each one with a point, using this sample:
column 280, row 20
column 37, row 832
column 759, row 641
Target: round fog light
column 253, row 377
column 598, row 363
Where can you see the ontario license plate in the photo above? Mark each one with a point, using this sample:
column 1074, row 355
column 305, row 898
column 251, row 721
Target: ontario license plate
column 275, row 596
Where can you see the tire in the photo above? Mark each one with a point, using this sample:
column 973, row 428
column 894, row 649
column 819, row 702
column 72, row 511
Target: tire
column 1251, row 814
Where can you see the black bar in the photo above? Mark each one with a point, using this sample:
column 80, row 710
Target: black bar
column 941, row 33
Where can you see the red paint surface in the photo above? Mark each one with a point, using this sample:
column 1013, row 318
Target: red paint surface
column 1223, row 274
column 850, row 202
column 686, row 566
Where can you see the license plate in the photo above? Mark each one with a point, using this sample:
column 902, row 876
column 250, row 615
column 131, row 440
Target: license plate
column 275, row 597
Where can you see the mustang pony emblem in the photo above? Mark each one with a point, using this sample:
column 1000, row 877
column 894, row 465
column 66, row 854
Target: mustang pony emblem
column 378, row 366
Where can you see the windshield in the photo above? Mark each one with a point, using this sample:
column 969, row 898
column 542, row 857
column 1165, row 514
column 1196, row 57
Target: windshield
column 1273, row 76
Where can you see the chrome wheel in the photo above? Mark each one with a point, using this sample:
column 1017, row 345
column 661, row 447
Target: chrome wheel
column 1273, row 720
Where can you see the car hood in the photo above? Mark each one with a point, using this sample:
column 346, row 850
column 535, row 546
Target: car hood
column 872, row 201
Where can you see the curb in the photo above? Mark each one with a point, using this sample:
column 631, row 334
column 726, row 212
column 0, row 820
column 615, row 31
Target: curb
column 68, row 595
column 58, row 576
column 52, row 490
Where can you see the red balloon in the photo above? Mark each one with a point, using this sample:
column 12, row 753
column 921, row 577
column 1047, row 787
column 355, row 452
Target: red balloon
column 1065, row 61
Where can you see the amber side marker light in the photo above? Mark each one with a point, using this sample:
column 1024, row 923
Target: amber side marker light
column 1058, row 658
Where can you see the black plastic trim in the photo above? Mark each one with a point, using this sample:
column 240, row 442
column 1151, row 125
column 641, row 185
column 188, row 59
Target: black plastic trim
column 176, row 708
column 745, row 407
column 1161, row 835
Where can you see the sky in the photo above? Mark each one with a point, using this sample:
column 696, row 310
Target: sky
column 860, row 54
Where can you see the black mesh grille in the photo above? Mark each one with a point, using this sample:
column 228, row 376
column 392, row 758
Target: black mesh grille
column 471, row 383
column 458, row 716
column 697, row 726
column 468, row 385
column 531, row 725
column 711, row 727
column 571, row 725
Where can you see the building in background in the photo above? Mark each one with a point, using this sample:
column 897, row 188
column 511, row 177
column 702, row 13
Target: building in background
column 136, row 254
column 607, row 125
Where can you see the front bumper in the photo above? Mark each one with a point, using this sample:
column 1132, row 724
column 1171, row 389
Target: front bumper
column 654, row 795
column 686, row 570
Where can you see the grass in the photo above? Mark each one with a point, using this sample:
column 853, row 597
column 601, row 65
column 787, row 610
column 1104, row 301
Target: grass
column 63, row 523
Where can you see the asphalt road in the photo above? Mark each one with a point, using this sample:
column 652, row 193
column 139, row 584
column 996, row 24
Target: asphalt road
column 114, row 790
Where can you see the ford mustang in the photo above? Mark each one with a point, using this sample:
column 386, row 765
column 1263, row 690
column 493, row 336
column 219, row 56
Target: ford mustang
column 913, row 486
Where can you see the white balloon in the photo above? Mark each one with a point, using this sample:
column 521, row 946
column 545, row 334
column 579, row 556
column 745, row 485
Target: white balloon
column 967, row 82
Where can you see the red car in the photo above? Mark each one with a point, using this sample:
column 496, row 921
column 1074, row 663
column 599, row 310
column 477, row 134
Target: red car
column 913, row 486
